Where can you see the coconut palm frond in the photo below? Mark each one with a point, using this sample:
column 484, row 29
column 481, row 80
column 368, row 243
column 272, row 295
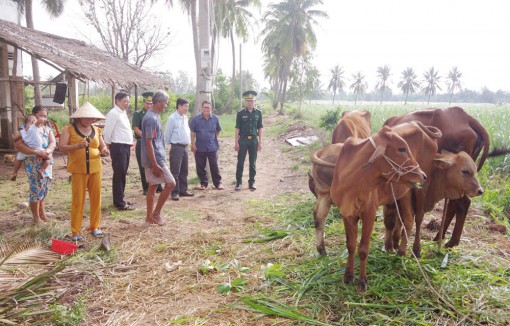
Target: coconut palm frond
column 30, row 299
column 26, row 253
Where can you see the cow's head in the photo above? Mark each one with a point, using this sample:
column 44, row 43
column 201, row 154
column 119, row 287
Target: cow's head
column 459, row 174
column 398, row 164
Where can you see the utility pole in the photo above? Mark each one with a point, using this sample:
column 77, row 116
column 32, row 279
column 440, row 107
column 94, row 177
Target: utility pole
column 205, row 75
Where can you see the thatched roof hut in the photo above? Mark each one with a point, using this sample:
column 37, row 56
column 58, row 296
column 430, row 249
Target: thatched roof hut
column 84, row 61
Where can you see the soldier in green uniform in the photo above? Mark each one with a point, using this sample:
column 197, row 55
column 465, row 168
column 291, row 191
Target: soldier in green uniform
column 248, row 138
column 137, row 128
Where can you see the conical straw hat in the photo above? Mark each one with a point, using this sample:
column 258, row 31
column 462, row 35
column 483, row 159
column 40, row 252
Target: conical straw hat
column 87, row 110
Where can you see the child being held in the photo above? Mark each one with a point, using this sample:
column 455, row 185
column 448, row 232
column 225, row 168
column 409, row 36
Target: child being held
column 32, row 138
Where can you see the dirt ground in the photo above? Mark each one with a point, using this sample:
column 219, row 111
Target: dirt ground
column 153, row 274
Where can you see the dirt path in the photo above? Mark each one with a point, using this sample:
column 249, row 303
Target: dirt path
column 133, row 285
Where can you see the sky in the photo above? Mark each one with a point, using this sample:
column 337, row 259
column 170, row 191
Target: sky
column 359, row 36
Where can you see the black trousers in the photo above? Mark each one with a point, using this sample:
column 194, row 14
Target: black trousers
column 138, row 152
column 120, row 154
column 179, row 168
column 201, row 159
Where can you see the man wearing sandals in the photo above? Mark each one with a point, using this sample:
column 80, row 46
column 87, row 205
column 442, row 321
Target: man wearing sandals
column 205, row 128
column 153, row 158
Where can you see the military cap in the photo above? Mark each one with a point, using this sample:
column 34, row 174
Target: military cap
column 147, row 97
column 249, row 95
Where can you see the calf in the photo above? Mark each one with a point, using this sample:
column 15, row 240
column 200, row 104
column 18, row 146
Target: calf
column 453, row 176
column 362, row 167
column 461, row 132
column 424, row 146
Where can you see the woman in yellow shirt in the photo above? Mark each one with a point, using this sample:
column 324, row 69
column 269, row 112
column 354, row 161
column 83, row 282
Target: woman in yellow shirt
column 84, row 145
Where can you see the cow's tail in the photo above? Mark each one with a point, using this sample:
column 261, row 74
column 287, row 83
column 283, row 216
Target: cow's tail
column 482, row 142
column 431, row 131
column 316, row 160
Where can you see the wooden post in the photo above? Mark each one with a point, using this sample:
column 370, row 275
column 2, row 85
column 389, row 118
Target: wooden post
column 72, row 91
column 6, row 140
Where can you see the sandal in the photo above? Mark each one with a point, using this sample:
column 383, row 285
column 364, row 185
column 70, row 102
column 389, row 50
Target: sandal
column 202, row 187
column 158, row 220
column 220, row 186
column 77, row 237
column 97, row 233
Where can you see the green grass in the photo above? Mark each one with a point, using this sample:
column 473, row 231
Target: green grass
column 309, row 289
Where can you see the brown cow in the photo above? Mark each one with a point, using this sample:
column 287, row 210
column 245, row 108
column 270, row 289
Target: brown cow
column 362, row 167
column 352, row 124
column 422, row 142
column 453, row 176
column 461, row 132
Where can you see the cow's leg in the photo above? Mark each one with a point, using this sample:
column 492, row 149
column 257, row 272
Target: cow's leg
column 320, row 213
column 451, row 210
column 419, row 214
column 462, row 206
column 406, row 213
column 367, row 226
column 389, row 225
column 351, row 236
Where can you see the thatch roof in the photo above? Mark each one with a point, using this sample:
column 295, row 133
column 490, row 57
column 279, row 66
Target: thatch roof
column 84, row 60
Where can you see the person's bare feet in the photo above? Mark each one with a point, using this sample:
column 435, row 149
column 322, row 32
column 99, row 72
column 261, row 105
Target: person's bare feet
column 44, row 218
column 14, row 176
column 158, row 220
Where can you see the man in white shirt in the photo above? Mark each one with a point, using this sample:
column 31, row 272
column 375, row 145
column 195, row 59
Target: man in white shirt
column 118, row 136
column 177, row 134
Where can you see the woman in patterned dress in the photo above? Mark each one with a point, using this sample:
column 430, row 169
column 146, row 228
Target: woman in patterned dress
column 39, row 185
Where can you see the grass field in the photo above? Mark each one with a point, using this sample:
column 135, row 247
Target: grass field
column 283, row 281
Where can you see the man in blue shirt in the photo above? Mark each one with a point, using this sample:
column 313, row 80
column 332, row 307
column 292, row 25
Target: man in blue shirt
column 177, row 134
column 204, row 143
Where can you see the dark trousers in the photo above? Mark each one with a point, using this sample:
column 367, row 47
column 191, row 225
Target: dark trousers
column 249, row 146
column 201, row 159
column 120, row 154
column 179, row 168
column 138, row 152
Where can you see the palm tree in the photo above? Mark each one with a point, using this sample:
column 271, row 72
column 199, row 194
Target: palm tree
column 454, row 76
column 234, row 20
column 383, row 73
column 55, row 9
column 336, row 83
column 408, row 82
column 288, row 34
column 359, row 86
column 431, row 83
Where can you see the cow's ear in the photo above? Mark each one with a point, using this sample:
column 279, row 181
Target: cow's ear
column 386, row 132
column 444, row 161
column 344, row 114
column 366, row 115
column 379, row 151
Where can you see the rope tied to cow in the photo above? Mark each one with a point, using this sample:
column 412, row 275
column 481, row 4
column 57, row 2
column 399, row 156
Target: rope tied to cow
column 396, row 169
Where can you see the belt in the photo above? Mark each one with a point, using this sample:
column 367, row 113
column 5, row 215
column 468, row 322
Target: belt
column 183, row 145
column 248, row 137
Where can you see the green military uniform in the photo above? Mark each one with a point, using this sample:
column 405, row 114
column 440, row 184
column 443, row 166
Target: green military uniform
column 248, row 124
column 137, row 122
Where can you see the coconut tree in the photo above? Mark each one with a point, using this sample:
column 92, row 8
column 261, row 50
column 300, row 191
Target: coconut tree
column 453, row 82
column 234, row 18
column 289, row 33
column 431, row 83
column 55, row 9
column 359, row 86
column 383, row 73
column 336, row 83
column 408, row 84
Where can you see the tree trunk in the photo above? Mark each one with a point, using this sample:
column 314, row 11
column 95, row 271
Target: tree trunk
column 407, row 94
column 35, row 63
column 451, row 96
column 334, row 95
column 196, row 47
column 285, row 77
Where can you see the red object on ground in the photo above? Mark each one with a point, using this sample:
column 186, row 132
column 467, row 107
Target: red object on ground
column 63, row 247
